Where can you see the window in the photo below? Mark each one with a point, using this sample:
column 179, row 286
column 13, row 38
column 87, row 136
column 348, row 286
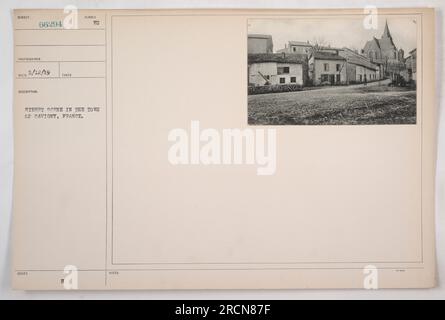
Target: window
column 282, row 80
column 294, row 49
column 293, row 79
column 326, row 66
column 324, row 78
column 282, row 70
column 337, row 78
column 337, row 67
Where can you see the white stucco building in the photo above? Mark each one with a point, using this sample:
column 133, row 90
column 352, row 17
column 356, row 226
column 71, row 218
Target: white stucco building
column 275, row 69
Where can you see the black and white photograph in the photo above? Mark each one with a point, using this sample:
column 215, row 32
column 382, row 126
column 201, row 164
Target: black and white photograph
column 332, row 71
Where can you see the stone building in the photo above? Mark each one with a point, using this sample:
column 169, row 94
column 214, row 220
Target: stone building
column 359, row 68
column 385, row 54
column 327, row 68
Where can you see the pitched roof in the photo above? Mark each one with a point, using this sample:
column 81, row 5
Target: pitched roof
column 376, row 41
column 276, row 57
column 369, row 44
column 386, row 44
column 362, row 62
column 260, row 36
column 357, row 59
column 327, row 56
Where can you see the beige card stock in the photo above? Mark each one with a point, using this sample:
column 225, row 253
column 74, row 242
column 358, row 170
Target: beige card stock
column 127, row 173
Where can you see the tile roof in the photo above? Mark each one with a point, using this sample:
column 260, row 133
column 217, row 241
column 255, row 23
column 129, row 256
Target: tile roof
column 276, row 57
column 327, row 56
column 357, row 59
column 362, row 62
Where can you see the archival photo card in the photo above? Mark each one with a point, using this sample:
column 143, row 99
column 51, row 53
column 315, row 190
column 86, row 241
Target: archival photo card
column 350, row 70
column 136, row 168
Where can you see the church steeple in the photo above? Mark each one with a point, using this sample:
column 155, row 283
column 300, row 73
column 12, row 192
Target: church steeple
column 386, row 33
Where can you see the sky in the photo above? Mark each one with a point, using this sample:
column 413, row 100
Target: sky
column 339, row 31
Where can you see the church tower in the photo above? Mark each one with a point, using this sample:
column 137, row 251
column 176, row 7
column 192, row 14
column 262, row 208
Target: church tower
column 387, row 46
column 386, row 33
column 384, row 52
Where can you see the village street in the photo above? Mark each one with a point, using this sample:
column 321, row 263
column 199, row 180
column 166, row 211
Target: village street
column 360, row 85
column 374, row 103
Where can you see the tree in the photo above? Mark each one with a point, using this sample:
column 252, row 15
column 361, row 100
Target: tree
column 319, row 43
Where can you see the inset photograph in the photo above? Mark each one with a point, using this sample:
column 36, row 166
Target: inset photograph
column 332, row 71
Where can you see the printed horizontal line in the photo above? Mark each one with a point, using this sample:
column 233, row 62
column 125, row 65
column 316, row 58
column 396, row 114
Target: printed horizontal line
column 54, row 270
column 37, row 29
column 60, row 78
column 266, row 263
column 42, row 61
column 252, row 16
column 219, row 269
column 60, row 45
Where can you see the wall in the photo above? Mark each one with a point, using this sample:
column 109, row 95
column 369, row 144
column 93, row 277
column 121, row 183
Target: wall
column 299, row 49
column 372, row 51
column 351, row 73
column 270, row 69
column 295, row 70
column 266, row 68
column 319, row 70
column 362, row 71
